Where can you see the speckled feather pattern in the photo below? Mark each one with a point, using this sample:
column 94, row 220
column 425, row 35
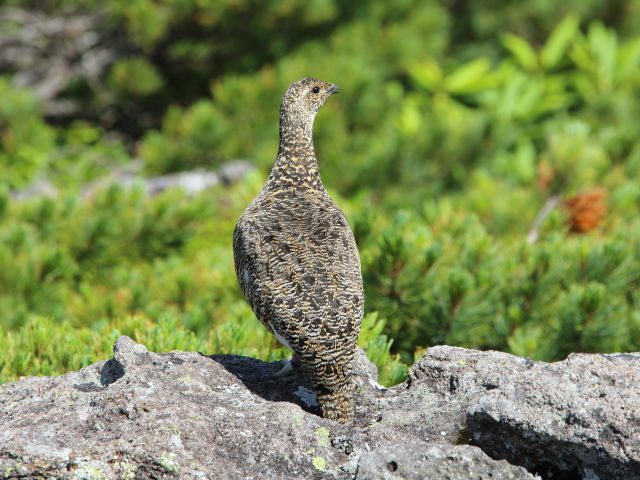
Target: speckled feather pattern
column 297, row 261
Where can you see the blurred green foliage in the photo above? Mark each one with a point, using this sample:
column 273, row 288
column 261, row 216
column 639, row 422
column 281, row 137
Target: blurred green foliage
column 457, row 122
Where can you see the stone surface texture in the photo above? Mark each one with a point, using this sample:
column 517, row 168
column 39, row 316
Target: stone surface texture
column 461, row 414
column 435, row 460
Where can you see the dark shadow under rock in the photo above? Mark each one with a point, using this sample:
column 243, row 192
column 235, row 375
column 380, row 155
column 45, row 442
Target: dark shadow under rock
column 259, row 378
column 111, row 372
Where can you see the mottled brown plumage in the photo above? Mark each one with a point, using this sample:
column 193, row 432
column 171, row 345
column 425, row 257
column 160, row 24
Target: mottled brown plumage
column 297, row 261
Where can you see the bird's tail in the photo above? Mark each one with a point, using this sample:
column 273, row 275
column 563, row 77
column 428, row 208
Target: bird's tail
column 336, row 402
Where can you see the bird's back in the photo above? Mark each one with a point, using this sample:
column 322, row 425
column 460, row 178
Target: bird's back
column 298, row 265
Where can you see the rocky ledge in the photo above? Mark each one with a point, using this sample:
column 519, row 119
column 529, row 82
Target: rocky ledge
column 462, row 414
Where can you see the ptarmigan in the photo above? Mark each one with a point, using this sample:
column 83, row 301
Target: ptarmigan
column 297, row 261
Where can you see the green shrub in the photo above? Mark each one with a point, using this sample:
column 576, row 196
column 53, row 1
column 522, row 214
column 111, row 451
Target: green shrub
column 457, row 125
column 26, row 140
column 135, row 76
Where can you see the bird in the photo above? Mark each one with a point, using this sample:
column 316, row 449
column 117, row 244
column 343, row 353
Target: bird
column 297, row 261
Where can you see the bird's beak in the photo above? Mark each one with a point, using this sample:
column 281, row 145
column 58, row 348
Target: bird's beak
column 333, row 89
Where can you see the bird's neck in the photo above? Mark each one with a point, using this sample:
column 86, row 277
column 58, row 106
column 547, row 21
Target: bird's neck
column 296, row 166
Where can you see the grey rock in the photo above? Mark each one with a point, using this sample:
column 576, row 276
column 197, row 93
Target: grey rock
column 47, row 53
column 186, row 415
column 191, row 182
column 171, row 415
column 435, row 461
column 579, row 418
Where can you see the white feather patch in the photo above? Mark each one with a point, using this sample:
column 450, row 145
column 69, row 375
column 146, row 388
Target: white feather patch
column 279, row 338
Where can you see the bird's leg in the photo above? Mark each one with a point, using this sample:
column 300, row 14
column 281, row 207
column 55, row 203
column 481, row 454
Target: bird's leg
column 289, row 366
column 295, row 361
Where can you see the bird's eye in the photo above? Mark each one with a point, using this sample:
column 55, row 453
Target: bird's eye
column 315, row 89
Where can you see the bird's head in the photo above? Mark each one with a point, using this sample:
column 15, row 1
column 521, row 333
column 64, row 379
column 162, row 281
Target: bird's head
column 303, row 99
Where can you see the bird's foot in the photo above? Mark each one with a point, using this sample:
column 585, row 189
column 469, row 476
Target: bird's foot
column 289, row 367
